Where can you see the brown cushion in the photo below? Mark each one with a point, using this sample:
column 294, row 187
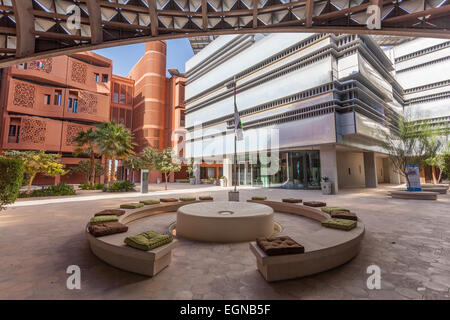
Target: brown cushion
column 168, row 200
column 292, row 200
column 279, row 245
column 207, row 198
column 104, row 229
column 314, row 203
column 343, row 215
column 109, row 212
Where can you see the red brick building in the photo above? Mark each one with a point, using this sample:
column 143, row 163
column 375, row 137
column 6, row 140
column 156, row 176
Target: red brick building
column 45, row 103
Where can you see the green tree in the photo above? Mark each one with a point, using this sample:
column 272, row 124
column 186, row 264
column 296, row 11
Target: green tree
column 190, row 167
column 114, row 142
column 35, row 162
column 411, row 142
column 441, row 161
column 84, row 167
column 165, row 161
column 135, row 163
column 11, row 175
column 86, row 143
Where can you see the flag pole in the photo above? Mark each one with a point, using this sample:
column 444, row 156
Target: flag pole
column 235, row 139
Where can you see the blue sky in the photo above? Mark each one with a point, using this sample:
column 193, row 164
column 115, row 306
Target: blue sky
column 125, row 57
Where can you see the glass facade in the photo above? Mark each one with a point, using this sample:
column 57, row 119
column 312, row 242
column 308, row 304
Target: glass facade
column 297, row 170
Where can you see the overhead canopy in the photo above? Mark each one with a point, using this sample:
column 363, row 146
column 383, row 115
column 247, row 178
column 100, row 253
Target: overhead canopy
column 42, row 28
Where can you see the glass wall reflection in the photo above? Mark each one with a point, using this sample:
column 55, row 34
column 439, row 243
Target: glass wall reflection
column 297, row 170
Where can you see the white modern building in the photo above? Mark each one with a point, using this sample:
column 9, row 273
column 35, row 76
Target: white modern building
column 316, row 102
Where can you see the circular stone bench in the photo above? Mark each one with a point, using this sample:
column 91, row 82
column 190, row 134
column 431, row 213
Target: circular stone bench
column 325, row 248
column 441, row 190
column 112, row 250
column 414, row 195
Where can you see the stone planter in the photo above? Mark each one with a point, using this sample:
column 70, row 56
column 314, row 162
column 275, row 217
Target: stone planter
column 223, row 182
column 191, row 180
column 233, row 195
column 326, row 187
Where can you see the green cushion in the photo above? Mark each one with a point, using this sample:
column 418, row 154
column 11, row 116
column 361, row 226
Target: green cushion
column 342, row 224
column 148, row 240
column 147, row 202
column 103, row 219
column 329, row 209
column 188, row 199
column 131, row 205
column 259, row 198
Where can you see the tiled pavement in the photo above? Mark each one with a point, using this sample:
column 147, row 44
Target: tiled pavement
column 408, row 239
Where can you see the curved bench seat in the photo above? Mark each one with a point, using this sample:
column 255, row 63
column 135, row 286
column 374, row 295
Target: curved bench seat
column 324, row 249
column 414, row 195
column 300, row 210
column 112, row 250
column 441, row 190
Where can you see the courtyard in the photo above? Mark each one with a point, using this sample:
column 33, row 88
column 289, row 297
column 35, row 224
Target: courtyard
column 408, row 239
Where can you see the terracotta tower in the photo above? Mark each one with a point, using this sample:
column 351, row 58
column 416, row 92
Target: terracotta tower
column 150, row 96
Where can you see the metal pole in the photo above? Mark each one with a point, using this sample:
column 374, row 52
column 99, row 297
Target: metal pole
column 235, row 164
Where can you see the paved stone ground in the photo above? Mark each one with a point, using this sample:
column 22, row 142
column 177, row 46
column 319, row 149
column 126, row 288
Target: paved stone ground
column 408, row 239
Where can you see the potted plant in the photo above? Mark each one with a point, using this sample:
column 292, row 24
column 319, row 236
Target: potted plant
column 223, row 181
column 325, row 185
column 190, row 170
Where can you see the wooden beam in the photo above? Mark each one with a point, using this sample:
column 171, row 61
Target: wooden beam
column 8, row 30
column 309, row 13
column 25, row 26
column 255, row 13
column 154, row 24
column 95, row 21
column 59, row 36
column 412, row 16
column 204, row 15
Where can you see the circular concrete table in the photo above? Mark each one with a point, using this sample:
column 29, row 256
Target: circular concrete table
column 224, row 221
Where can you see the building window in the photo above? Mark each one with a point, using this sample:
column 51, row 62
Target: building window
column 129, row 97
column 69, row 104
column 123, row 93
column 116, row 93
column 97, row 77
column 47, row 99
column 75, row 106
column 12, row 130
column 58, row 97
column 182, row 118
column 105, row 78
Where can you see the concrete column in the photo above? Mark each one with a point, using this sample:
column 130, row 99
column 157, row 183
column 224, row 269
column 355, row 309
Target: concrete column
column 370, row 170
column 394, row 176
column 228, row 170
column 328, row 166
column 196, row 172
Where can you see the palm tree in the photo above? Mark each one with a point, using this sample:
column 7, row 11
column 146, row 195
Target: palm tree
column 86, row 142
column 114, row 142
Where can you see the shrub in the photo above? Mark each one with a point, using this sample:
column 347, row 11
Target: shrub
column 90, row 186
column 11, row 176
column 119, row 186
column 61, row 189
column 183, row 180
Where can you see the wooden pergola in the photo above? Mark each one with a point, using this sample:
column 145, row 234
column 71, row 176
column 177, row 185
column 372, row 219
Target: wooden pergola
column 31, row 29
